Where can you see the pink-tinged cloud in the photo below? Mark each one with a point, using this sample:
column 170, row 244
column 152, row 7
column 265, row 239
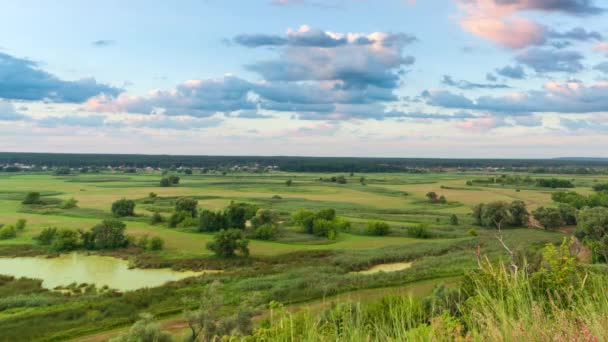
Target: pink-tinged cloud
column 602, row 47
column 500, row 24
column 480, row 124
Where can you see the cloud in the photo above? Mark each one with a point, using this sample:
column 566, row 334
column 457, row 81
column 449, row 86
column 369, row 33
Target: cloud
column 462, row 84
column 198, row 98
column 360, row 60
column 103, row 43
column 429, row 116
column 72, row 120
column 603, row 67
column 22, row 79
column 499, row 20
column 544, row 60
column 515, row 72
column 558, row 97
column 577, row 34
column 491, row 78
column 588, row 125
column 8, row 112
column 318, row 75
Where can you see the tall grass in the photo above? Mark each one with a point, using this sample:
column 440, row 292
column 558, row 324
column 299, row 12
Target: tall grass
column 557, row 301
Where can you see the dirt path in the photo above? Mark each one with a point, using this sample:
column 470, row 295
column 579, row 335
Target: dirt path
column 177, row 325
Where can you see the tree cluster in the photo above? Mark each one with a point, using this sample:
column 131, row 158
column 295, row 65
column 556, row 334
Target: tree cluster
column 551, row 218
column 501, row 214
column 323, row 223
column 436, row 199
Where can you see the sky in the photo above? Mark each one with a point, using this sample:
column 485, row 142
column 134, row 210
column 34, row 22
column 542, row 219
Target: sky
column 367, row 78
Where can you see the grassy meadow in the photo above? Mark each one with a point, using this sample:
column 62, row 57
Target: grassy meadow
column 295, row 269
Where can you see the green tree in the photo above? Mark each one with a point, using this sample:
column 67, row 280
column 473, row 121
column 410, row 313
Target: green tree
column 109, row 234
column 188, row 205
column 593, row 229
column 266, row 232
column 123, row 207
column 549, row 218
column 46, row 236
column 226, row 243
column 288, row 182
column 65, row 240
column 165, row 182
column 378, row 228
column 237, row 214
column 264, row 216
column 155, row 244
column 32, row 198
column 156, row 218
column 210, row 221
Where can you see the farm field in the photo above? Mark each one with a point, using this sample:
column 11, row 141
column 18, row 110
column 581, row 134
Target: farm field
column 293, row 268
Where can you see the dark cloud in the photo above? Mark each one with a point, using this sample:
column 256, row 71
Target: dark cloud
column 545, row 60
column 491, row 78
column 577, row 34
column 573, row 7
column 515, row 72
column 466, row 85
column 22, row 79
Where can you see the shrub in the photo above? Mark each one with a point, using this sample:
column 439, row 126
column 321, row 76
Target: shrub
column 288, row 182
column 8, row 232
column 453, row 220
column 109, row 234
column 419, row 231
column 549, row 218
column 325, row 228
column 226, row 243
column 165, row 182
column 155, row 244
column 178, row 217
column 20, row 225
column 69, row 203
column 123, row 207
column 156, row 218
column 472, row 232
column 65, row 240
column 46, row 236
column 266, row 232
column 210, row 221
column 32, row 198
column 264, row 216
column 188, row 205
column 378, row 228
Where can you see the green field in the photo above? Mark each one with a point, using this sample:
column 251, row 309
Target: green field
column 294, row 268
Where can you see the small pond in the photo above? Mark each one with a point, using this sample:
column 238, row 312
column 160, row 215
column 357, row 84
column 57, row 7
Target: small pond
column 91, row 269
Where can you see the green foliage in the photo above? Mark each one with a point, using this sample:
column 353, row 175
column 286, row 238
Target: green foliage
column 226, row 243
column 156, row 218
column 182, row 219
column 568, row 213
column 32, row 198
column 578, row 201
column 549, row 218
column 20, row 225
column 473, row 232
column 109, row 234
column 65, row 240
column 435, row 199
column 210, row 221
column 266, row 231
column 154, row 243
column 46, row 236
column 600, row 187
column 144, row 330
column 123, row 207
column 419, row 231
column 8, row 232
column 378, row 228
column 323, row 223
column 501, row 214
column 264, row 217
column 69, row 203
column 288, row 182
column 165, row 182
column 187, row 204
column 237, row 214
column 453, row 220
column 593, row 231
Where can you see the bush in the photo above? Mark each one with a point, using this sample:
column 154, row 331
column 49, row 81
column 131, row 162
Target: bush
column 178, row 217
column 264, row 216
column 188, row 205
column 46, row 236
column 20, row 225
column 210, row 221
column 8, row 232
column 109, row 234
column 324, row 228
column 378, row 228
column 123, row 207
column 32, row 198
column 472, row 232
column 549, row 218
column 155, row 244
column 419, row 231
column 156, row 218
column 288, row 182
column 69, row 203
column 165, row 182
column 226, row 243
column 65, row 240
column 453, row 220
column 266, row 232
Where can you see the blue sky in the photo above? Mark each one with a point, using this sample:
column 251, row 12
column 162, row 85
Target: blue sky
column 401, row 78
